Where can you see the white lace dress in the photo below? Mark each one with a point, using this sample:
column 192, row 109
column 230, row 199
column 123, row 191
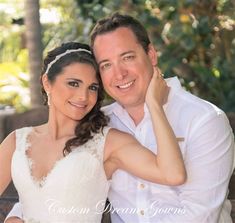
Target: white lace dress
column 75, row 189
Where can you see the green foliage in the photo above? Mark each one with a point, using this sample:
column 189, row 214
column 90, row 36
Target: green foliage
column 198, row 45
column 14, row 83
column 195, row 40
column 13, row 59
column 72, row 26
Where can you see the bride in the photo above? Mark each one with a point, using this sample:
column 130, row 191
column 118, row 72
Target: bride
column 62, row 169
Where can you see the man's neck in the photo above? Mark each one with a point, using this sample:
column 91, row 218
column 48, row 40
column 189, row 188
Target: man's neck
column 136, row 113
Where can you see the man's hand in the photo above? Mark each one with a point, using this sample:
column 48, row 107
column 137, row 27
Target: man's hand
column 14, row 220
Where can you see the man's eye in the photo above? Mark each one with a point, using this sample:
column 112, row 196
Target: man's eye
column 128, row 57
column 94, row 88
column 73, row 84
column 105, row 66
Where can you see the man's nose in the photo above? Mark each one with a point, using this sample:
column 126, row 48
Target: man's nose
column 120, row 71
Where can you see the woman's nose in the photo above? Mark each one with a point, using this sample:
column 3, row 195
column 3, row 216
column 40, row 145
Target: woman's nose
column 83, row 94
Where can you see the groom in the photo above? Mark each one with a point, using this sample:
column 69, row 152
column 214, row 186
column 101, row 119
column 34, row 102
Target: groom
column 126, row 56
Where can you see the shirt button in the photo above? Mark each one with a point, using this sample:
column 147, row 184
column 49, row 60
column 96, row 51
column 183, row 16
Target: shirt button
column 142, row 186
column 142, row 212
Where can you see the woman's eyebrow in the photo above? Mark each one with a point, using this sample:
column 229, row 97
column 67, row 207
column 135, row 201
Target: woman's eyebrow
column 75, row 79
column 80, row 81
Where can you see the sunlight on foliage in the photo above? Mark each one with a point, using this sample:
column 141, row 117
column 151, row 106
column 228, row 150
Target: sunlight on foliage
column 195, row 40
column 14, row 84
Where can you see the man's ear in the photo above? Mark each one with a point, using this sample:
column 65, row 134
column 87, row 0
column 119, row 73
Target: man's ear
column 152, row 54
column 46, row 83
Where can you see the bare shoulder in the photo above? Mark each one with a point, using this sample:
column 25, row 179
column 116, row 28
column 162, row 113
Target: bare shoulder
column 115, row 141
column 116, row 138
column 9, row 142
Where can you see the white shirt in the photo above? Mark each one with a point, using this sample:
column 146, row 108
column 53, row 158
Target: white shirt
column 207, row 144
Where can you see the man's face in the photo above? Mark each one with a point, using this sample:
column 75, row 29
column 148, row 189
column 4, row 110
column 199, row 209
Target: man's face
column 126, row 69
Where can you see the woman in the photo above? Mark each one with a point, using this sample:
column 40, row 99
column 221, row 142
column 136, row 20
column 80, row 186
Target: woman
column 62, row 169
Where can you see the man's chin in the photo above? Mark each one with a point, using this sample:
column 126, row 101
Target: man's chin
column 130, row 103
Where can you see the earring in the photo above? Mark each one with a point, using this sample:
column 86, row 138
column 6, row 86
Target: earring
column 48, row 98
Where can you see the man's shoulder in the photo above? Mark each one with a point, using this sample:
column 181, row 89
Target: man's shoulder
column 185, row 99
column 195, row 105
column 186, row 102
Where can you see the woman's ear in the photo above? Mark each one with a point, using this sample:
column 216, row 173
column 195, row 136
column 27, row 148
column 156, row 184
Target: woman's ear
column 152, row 53
column 46, row 83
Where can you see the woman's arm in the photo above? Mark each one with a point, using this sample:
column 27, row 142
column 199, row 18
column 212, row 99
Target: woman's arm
column 7, row 149
column 167, row 167
column 15, row 215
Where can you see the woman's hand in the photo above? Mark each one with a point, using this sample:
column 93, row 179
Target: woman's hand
column 14, row 220
column 167, row 166
column 158, row 90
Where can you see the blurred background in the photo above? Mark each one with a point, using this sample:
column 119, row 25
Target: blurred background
column 195, row 40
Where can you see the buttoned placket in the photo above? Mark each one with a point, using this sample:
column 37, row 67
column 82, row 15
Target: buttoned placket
column 142, row 186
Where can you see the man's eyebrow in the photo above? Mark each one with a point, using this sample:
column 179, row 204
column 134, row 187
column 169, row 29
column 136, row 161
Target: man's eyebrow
column 122, row 54
column 127, row 52
column 103, row 61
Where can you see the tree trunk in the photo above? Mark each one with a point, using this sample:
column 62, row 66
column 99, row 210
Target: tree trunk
column 34, row 46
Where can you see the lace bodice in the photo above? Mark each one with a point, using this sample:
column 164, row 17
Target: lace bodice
column 74, row 190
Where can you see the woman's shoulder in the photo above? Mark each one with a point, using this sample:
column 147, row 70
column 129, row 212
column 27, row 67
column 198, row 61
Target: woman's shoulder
column 11, row 137
column 16, row 134
column 116, row 141
column 117, row 137
column 9, row 141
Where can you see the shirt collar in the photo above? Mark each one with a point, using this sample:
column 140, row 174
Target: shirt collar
column 174, row 84
column 119, row 111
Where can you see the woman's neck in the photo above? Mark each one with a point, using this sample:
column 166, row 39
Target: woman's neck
column 60, row 126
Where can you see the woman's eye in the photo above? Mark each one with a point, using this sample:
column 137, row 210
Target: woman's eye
column 74, row 84
column 94, row 88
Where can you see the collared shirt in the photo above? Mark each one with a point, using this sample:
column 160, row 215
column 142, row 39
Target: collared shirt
column 207, row 144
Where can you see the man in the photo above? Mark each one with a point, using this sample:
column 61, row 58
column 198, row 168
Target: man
column 126, row 58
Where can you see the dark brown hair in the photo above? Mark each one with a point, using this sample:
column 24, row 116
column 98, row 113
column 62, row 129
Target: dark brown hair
column 95, row 120
column 118, row 20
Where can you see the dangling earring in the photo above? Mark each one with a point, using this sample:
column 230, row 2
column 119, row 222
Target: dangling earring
column 48, row 98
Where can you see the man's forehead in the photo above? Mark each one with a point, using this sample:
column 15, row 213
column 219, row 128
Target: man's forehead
column 118, row 35
column 116, row 48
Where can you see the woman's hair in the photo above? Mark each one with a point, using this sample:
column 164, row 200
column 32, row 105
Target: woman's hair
column 117, row 20
column 54, row 63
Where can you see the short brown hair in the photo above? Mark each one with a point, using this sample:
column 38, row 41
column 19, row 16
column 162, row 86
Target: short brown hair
column 118, row 20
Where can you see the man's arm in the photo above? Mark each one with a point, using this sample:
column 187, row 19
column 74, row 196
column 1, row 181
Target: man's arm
column 15, row 215
column 209, row 164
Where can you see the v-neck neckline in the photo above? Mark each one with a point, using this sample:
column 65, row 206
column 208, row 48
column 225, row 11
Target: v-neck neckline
column 40, row 182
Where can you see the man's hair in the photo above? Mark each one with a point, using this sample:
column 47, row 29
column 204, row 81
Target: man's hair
column 118, row 20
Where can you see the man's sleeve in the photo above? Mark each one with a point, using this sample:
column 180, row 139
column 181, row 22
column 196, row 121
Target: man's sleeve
column 209, row 164
column 16, row 211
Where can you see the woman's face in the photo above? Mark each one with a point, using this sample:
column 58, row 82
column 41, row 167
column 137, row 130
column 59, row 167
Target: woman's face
column 74, row 91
